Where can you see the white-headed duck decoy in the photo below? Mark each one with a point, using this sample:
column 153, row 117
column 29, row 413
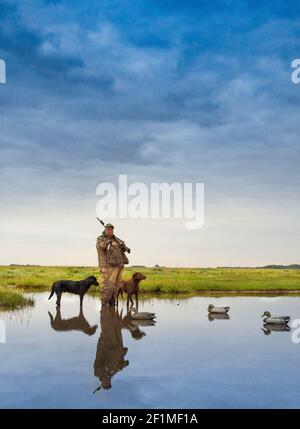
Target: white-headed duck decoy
column 275, row 320
column 218, row 310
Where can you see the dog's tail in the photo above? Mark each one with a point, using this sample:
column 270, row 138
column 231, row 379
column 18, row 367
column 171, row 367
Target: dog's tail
column 52, row 292
column 51, row 318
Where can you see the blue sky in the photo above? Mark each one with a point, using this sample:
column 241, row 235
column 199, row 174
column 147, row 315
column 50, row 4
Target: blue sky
column 194, row 91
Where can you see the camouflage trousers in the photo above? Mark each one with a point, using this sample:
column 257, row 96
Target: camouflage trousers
column 111, row 279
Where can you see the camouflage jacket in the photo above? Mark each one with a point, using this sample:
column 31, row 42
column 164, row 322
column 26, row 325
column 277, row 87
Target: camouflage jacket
column 111, row 251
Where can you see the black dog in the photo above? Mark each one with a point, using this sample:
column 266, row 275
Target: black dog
column 77, row 287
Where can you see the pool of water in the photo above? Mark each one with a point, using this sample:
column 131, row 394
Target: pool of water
column 102, row 359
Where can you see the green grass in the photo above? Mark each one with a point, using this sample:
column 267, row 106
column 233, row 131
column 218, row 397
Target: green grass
column 169, row 281
column 12, row 299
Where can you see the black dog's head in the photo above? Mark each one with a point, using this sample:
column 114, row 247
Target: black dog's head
column 92, row 281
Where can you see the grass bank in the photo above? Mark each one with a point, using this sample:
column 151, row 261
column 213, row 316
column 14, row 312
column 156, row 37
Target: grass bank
column 169, row 281
column 12, row 299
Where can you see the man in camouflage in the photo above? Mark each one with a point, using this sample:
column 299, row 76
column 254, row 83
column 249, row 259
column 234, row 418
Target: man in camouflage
column 111, row 256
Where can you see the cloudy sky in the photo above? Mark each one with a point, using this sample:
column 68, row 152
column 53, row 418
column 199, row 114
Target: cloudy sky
column 163, row 91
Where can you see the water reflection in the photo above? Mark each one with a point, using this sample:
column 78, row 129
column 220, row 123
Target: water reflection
column 211, row 363
column 216, row 316
column 268, row 328
column 133, row 328
column 110, row 354
column 77, row 323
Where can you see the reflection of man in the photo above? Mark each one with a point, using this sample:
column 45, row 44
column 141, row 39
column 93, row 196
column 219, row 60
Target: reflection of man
column 111, row 257
column 110, row 350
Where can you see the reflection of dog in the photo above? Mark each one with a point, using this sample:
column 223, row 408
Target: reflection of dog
column 78, row 323
column 132, row 327
column 131, row 287
column 77, row 287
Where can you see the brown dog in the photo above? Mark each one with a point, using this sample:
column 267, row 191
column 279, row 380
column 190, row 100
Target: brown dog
column 131, row 287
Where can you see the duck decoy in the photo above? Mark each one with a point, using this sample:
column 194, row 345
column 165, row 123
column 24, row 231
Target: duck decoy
column 275, row 320
column 218, row 310
column 143, row 316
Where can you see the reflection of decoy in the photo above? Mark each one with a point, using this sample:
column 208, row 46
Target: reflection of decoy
column 78, row 323
column 275, row 320
column 140, row 322
column 218, row 310
column 218, row 316
column 110, row 354
column 268, row 328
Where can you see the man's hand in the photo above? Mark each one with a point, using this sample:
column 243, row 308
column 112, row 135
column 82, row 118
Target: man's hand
column 125, row 248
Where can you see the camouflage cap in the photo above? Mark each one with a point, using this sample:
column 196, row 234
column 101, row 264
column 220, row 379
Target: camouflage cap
column 109, row 225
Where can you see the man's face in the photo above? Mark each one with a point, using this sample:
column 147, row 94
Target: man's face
column 109, row 231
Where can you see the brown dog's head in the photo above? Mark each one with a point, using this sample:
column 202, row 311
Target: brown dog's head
column 138, row 277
